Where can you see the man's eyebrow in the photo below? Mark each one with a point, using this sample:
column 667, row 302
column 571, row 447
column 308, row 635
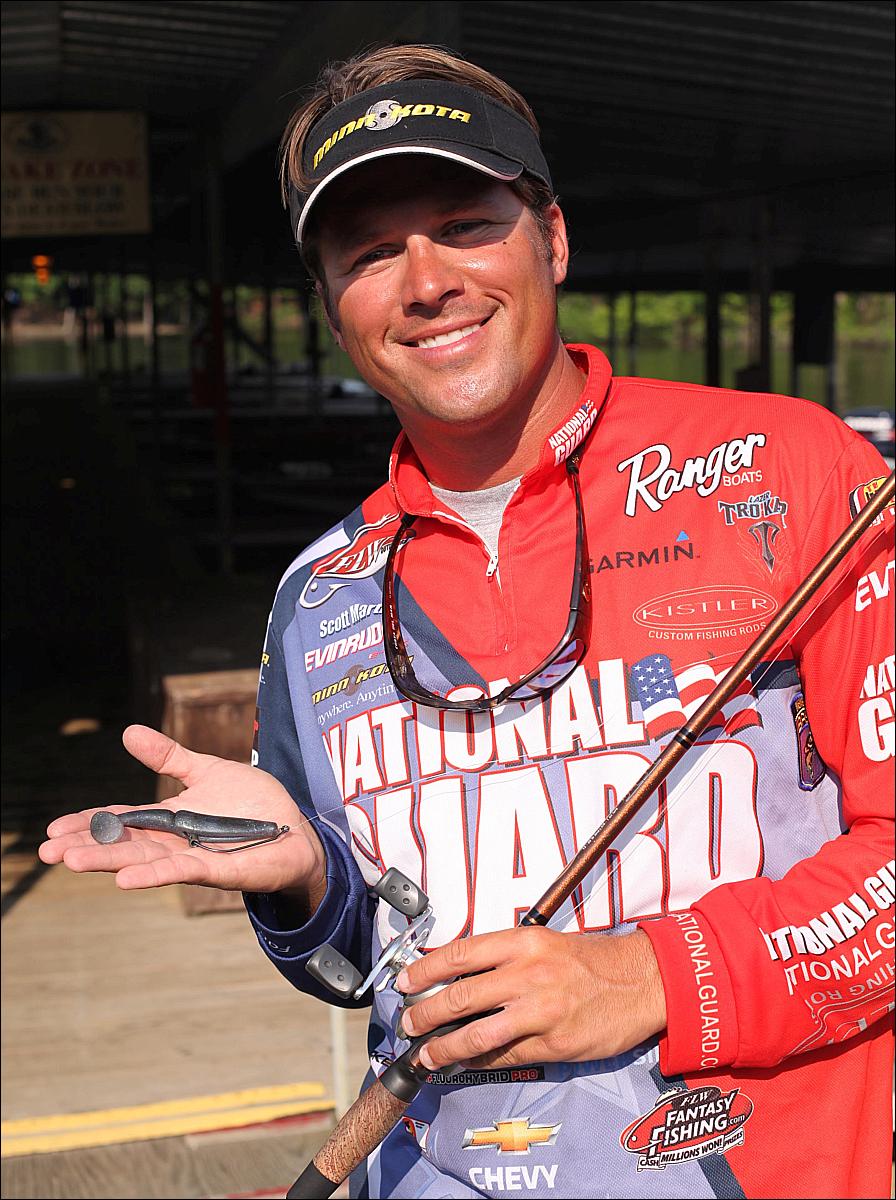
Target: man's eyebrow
column 348, row 237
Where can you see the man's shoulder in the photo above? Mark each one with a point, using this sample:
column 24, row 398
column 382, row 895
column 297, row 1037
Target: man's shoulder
column 354, row 548
column 718, row 408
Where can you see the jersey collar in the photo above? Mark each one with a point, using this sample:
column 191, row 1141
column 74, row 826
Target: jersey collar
column 408, row 480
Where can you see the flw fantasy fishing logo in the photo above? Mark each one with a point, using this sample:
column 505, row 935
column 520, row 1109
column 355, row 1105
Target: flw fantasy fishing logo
column 684, row 1125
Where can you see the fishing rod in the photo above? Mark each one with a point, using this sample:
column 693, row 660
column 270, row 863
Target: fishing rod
column 379, row 1108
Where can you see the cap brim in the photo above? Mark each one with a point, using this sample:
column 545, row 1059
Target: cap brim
column 494, row 165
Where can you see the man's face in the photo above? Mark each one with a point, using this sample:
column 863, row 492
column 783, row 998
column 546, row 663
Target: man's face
column 441, row 289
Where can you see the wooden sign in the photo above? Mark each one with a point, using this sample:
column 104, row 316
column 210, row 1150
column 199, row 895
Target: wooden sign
column 70, row 174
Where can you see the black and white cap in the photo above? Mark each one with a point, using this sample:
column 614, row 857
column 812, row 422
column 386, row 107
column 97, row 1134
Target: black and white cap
column 418, row 116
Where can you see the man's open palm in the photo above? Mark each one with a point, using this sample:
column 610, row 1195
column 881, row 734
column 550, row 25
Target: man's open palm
column 148, row 858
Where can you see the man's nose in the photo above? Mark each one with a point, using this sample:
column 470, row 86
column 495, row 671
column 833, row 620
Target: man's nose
column 431, row 276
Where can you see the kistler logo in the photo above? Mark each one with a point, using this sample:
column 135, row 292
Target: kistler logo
column 704, row 609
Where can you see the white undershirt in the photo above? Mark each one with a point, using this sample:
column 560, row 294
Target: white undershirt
column 483, row 510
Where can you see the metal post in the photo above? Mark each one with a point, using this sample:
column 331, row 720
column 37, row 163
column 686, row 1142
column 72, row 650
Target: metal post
column 106, row 324
column 342, row 1097
column 613, row 331
column 632, row 331
column 123, row 320
column 831, row 396
column 794, row 364
column 235, row 347
column 312, row 345
column 214, row 218
column 155, row 365
column 268, row 331
column 764, row 291
column 712, row 347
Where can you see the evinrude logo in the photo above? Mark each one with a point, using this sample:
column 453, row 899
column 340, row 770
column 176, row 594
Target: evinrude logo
column 365, row 554
column 703, row 473
column 684, row 1125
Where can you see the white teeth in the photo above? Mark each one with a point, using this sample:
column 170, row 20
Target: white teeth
column 445, row 339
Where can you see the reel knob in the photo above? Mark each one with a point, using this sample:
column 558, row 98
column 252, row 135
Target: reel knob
column 398, row 891
column 336, row 973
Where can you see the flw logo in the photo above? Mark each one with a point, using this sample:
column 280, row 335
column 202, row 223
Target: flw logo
column 365, row 554
column 684, row 1125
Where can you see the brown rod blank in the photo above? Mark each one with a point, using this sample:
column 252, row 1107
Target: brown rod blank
column 603, row 837
column 377, row 1110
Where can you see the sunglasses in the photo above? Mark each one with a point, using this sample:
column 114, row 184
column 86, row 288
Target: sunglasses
column 557, row 667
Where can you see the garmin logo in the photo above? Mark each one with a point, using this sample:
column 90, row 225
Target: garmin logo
column 701, row 472
column 383, row 115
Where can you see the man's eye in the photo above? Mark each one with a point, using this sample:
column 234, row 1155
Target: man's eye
column 372, row 256
column 462, row 227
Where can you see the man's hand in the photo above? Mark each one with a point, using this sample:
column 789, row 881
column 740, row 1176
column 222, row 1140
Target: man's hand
column 146, row 858
column 564, row 997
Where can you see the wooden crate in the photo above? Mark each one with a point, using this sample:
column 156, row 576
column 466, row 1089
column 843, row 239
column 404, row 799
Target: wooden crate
column 212, row 713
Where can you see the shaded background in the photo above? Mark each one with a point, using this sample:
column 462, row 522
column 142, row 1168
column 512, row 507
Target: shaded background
column 176, row 425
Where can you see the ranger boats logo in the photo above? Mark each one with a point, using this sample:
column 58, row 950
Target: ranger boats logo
column 684, row 1125
column 365, row 554
column 653, row 479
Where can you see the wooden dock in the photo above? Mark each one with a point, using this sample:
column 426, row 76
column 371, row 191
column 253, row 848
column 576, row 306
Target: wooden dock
column 147, row 1053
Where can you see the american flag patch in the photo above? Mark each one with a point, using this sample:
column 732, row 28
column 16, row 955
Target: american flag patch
column 669, row 699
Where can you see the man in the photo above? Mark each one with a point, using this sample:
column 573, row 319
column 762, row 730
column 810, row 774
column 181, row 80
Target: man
column 706, row 1015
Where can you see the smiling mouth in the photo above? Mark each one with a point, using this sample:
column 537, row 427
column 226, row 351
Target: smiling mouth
column 446, row 339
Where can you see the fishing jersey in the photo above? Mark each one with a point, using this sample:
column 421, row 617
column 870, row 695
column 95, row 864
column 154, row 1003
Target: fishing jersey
column 761, row 869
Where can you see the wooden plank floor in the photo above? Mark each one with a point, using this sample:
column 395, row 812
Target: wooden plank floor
column 113, row 999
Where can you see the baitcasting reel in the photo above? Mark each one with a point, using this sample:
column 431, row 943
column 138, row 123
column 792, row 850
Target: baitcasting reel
column 343, row 979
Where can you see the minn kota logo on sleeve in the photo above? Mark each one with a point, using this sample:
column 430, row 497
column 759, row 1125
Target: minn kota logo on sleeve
column 365, row 554
column 684, row 1125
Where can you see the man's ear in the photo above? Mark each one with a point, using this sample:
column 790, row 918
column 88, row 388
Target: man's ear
column 331, row 317
column 559, row 244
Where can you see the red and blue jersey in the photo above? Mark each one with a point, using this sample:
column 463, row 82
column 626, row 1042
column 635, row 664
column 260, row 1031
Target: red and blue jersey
column 762, row 870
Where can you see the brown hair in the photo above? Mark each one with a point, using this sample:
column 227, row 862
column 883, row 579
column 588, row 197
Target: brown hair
column 394, row 64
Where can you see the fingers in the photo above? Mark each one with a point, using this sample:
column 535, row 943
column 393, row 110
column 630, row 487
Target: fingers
column 173, row 868
column 70, row 830
column 463, row 998
column 137, row 864
column 163, row 755
column 90, row 856
column 487, row 1039
column 462, row 957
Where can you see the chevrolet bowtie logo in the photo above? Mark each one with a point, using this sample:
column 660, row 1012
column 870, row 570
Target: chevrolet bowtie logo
column 511, row 1137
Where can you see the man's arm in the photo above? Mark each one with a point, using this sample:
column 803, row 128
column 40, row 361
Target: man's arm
column 291, row 924
column 796, row 963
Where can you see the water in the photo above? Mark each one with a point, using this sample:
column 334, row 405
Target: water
column 865, row 374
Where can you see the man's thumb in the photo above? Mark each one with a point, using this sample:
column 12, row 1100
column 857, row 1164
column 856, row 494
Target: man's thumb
column 160, row 753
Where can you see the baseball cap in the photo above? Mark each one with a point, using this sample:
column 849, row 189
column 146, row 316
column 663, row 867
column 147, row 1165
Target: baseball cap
column 416, row 116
